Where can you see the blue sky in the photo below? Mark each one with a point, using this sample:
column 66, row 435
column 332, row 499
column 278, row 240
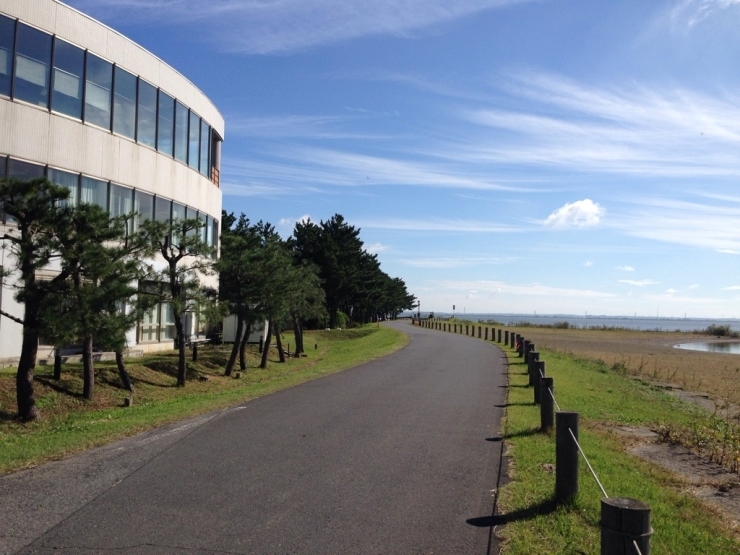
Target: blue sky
column 558, row 156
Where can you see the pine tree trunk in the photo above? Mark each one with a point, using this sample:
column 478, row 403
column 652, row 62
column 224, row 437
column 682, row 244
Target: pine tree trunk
column 235, row 346
column 243, row 348
column 88, row 369
column 181, row 364
column 279, row 342
column 297, row 336
column 27, row 409
column 122, row 372
column 266, row 348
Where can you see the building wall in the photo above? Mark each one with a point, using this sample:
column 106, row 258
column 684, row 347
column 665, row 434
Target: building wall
column 41, row 136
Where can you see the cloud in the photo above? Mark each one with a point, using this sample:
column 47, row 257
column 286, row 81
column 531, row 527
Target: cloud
column 693, row 12
column 437, row 225
column 290, row 222
column 588, row 264
column 274, row 26
column 376, row 248
column 671, row 291
column 626, row 268
column 731, row 288
column 447, row 262
column 694, row 286
column 582, row 213
column 728, row 251
column 639, row 283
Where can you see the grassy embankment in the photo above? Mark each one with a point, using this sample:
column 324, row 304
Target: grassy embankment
column 605, row 400
column 70, row 424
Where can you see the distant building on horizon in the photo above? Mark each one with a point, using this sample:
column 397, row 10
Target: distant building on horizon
column 91, row 110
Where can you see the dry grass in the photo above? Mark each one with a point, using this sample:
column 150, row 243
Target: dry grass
column 650, row 355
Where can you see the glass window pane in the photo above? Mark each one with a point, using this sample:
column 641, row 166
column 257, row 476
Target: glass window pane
column 168, row 322
column 24, row 170
column 178, row 212
column 205, row 150
column 7, row 40
column 209, row 231
column 162, row 210
column 121, row 200
column 181, row 133
column 98, row 83
column 69, row 66
column 144, row 208
column 202, row 230
column 146, row 129
column 149, row 324
column 124, row 103
column 32, row 63
column 3, row 161
column 194, row 142
column 214, row 237
column 166, row 124
column 94, row 191
column 69, row 180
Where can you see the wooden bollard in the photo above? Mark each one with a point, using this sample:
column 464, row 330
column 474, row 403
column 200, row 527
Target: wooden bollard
column 467, row 329
column 547, row 404
column 479, row 332
column 566, row 457
column 506, row 337
column 523, row 348
column 624, row 520
column 514, row 339
column 486, row 335
column 455, row 328
column 534, row 377
column 499, row 335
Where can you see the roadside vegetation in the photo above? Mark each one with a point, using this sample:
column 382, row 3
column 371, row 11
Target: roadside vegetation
column 72, row 424
column 616, row 404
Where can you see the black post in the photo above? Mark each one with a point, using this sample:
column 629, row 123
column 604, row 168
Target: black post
column 467, row 329
column 195, row 352
column 506, row 337
column 262, row 343
column 566, row 457
column 499, row 335
column 547, row 404
column 455, row 328
column 486, row 337
column 624, row 520
column 534, row 376
column 57, row 365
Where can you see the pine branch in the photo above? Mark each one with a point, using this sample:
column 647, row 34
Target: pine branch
column 16, row 320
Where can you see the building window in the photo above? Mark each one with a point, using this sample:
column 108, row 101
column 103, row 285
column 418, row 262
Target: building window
column 7, row 42
column 69, row 180
column 3, row 163
column 98, row 84
column 146, row 121
column 181, row 133
column 32, row 66
column 159, row 323
column 66, row 89
column 143, row 207
column 124, row 103
column 165, row 123
column 121, row 203
column 24, row 170
column 205, row 148
column 194, row 141
column 94, row 191
column 214, row 235
column 162, row 210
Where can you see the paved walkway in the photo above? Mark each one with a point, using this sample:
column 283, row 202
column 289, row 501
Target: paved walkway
column 397, row 456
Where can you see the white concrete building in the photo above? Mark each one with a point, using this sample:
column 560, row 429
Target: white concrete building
column 86, row 107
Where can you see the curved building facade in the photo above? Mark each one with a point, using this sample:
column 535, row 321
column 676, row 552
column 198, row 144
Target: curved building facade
column 91, row 110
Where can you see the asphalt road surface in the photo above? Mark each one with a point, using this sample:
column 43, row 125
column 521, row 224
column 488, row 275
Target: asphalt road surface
column 398, row 456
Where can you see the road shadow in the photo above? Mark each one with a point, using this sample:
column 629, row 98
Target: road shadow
column 542, row 508
column 523, row 433
column 506, row 405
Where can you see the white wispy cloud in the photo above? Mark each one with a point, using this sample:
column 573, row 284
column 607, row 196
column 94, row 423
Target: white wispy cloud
column 451, row 262
column 582, row 213
column 650, row 130
column 692, row 12
column 437, row 225
column 588, row 264
column 526, row 289
column 297, row 127
column 273, row 26
column 731, row 288
column 626, row 268
column 696, row 224
column 639, row 282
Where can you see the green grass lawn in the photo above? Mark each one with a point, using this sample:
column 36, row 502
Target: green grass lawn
column 70, row 424
column 604, row 400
